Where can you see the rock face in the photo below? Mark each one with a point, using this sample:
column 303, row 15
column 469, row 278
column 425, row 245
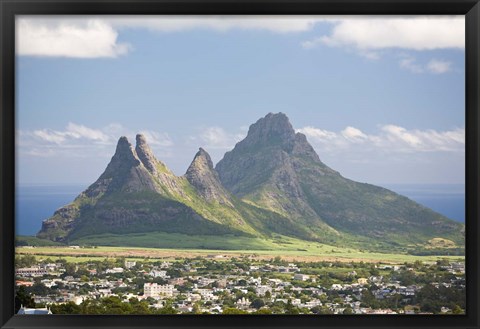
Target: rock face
column 273, row 181
column 145, row 154
column 125, row 171
column 204, row 178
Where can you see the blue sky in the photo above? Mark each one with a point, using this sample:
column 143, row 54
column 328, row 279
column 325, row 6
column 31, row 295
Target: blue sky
column 380, row 99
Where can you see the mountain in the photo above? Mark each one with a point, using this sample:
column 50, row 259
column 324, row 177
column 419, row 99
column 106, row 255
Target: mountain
column 138, row 193
column 272, row 183
column 277, row 169
column 135, row 193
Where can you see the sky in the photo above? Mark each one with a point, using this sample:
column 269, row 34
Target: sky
column 381, row 99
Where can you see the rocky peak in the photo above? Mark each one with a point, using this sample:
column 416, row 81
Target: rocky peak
column 201, row 161
column 303, row 147
column 124, row 157
column 124, row 172
column 145, row 154
column 204, row 178
column 273, row 124
column 273, row 129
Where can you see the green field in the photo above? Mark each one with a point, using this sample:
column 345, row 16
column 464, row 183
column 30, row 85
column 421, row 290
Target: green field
column 174, row 245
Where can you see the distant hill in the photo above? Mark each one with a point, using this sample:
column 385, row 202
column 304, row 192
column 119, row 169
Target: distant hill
column 271, row 182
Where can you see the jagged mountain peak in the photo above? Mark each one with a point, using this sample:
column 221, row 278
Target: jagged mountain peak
column 145, row 154
column 141, row 140
column 123, row 159
column 274, row 128
column 124, row 149
column 202, row 158
column 204, row 178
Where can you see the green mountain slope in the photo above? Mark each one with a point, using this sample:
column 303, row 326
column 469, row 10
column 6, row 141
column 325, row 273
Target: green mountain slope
column 277, row 169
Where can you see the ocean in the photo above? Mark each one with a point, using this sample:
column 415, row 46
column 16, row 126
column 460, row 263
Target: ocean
column 35, row 203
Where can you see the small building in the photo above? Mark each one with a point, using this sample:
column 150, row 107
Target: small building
column 130, row 263
column 114, row 270
column 362, row 281
column 262, row 290
column 34, row 311
column 301, row 277
column 24, row 283
column 158, row 274
column 243, row 303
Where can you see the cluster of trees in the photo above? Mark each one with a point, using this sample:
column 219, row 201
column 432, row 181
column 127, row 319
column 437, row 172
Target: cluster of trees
column 111, row 305
column 432, row 299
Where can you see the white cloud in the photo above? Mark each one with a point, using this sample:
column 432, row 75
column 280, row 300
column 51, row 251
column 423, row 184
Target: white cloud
column 410, row 64
column 72, row 132
column 80, row 140
column 433, row 66
column 439, row 66
column 400, row 134
column 96, row 37
column 157, row 139
column 276, row 24
column 418, row 33
column 216, row 138
column 317, row 133
column 353, row 134
column 80, row 131
column 389, row 139
column 50, row 136
column 90, row 38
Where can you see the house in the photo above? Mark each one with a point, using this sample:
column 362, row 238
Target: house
column 243, row 303
column 114, row 270
column 34, row 311
column 262, row 290
column 130, row 263
column 221, row 283
column 24, row 283
column 156, row 290
column 158, row 274
column 177, row 281
column 362, row 281
column 301, row 277
column 337, row 286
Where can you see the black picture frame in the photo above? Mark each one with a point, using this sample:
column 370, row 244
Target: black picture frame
column 10, row 8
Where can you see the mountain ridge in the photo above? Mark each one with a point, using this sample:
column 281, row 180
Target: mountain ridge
column 271, row 182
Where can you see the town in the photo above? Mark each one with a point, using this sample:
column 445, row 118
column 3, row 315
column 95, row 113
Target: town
column 219, row 284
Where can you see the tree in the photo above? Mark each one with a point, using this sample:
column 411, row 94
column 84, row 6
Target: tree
column 232, row 310
column 348, row 311
column 23, row 298
column 321, row 310
column 258, row 303
column 67, row 308
column 25, row 261
column 457, row 310
column 290, row 309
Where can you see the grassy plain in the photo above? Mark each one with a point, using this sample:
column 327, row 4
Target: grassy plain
column 171, row 245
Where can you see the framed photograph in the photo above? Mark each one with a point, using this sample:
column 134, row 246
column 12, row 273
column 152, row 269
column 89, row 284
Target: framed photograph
column 218, row 164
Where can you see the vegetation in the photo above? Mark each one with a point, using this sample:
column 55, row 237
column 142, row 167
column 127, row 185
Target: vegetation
column 279, row 246
column 329, row 287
